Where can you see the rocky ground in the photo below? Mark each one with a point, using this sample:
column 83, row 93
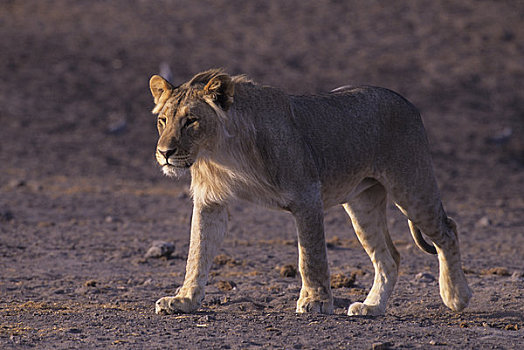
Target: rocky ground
column 82, row 201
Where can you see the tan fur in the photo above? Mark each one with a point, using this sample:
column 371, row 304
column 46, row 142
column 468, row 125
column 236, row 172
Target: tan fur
column 303, row 154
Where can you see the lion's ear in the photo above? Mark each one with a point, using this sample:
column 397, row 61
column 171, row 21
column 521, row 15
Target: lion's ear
column 161, row 90
column 221, row 89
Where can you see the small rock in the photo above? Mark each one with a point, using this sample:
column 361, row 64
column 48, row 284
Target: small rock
column 358, row 272
column 501, row 137
column 226, row 285
column 381, row 346
column 517, row 276
column 206, row 318
column 333, row 242
column 35, row 186
column 500, row 202
column 112, row 219
column 424, row 277
column 159, row 249
column 90, row 283
column 224, row 259
column 83, row 290
column 339, row 280
column 15, row 183
column 117, row 124
column 500, row 271
column 484, row 222
column 6, row 216
column 512, row 327
column 43, row 224
column 288, row 271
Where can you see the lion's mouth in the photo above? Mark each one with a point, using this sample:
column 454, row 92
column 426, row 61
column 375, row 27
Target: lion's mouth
column 179, row 164
column 176, row 171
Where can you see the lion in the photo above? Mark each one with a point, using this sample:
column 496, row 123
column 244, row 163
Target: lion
column 354, row 147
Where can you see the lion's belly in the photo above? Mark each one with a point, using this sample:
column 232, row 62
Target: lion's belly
column 337, row 192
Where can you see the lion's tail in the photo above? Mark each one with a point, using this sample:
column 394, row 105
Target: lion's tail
column 419, row 240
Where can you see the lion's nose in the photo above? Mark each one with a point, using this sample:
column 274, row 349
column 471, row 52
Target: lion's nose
column 166, row 153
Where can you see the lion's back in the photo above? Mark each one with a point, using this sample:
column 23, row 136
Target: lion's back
column 347, row 128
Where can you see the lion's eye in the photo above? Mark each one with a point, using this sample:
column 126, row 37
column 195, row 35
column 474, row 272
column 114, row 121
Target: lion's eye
column 190, row 121
column 162, row 121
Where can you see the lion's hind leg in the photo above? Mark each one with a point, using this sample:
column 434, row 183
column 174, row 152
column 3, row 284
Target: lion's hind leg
column 453, row 285
column 368, row 215
column 429, row 216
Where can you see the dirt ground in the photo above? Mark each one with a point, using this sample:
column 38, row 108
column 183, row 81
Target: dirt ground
column 82, row 200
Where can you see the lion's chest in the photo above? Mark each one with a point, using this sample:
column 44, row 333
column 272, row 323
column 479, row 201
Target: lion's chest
column 212, row 183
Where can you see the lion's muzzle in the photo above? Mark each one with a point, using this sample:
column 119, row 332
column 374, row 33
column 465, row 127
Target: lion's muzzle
column 170, row 158
column 166, row 153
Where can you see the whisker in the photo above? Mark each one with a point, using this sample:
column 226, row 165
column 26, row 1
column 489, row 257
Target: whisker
column 180, row 158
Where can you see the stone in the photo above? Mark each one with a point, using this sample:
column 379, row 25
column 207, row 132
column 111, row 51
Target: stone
column 160, row 249
column 288, row 271
column 339, row 280
column 424, row 277
column 484, row 222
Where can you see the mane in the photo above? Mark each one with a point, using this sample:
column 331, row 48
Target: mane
column 193, row 88
column 235, row 163
column 203, row 77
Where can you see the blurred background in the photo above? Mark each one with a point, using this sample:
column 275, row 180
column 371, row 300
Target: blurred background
column 74, row 95
column 75, row 103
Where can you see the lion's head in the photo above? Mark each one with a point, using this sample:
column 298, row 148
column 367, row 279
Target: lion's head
column 190, row 117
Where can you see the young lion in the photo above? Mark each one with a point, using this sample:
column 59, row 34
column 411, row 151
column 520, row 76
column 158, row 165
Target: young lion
column 303, row 154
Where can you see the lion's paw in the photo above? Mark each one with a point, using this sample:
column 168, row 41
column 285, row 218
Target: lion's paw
column 361, row 309
column 456, row 297
column 171, row 305
column 314, row 306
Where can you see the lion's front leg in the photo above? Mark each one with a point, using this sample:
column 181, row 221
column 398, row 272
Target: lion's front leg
column 208, row 226
column 315, row 295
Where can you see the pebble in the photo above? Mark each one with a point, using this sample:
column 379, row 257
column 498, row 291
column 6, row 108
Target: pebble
column 288, row 271
column 484, row 222
column 90, row 283
column 159, row 249
column 424, row 277
column 224, row 259
column 117, row 127
column 226, row 285
column 15, row 183
column 517, row 276
column 6, row 216
column 381, row 346
column 501, row 137
column 500, row 271
column 339, row 280
column 206, row 318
